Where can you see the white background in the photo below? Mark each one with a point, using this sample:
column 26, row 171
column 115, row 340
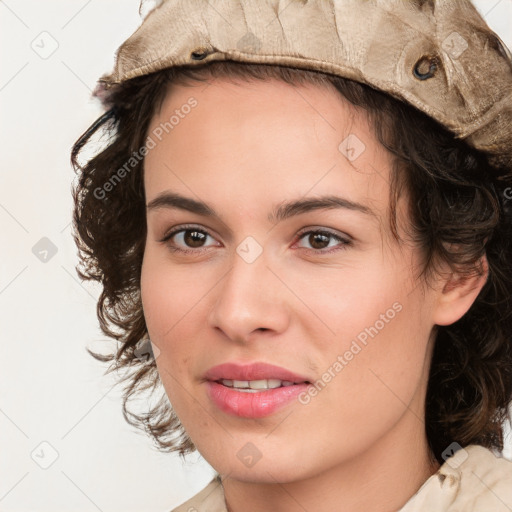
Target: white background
column 51, row 390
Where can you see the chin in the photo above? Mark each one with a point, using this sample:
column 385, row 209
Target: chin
column 282, row 468
column 264, row 473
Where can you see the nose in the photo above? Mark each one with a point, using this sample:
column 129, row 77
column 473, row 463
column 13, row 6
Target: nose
column 250, row 298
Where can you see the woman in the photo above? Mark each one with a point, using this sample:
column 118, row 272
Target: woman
column 305, row 209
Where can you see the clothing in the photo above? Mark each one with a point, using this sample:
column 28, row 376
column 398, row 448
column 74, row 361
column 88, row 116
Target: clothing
column 471, row 480
column 439, row 56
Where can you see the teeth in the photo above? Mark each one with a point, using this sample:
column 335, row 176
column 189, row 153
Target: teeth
column 254, row 385
column 242, row 384
column 265, row 384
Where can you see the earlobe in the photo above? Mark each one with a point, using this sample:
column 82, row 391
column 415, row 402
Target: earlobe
column 458, row 293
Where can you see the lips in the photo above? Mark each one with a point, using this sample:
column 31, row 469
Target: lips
column 255, row 390
column 253, row 372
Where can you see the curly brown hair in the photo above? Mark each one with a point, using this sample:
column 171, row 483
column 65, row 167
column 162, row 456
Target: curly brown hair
column 460, row 213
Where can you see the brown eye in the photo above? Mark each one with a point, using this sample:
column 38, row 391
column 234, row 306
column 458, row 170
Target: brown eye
column 186, row 239
column 320, row 240
column 194, row 238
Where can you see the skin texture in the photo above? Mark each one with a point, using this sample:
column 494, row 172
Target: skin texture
column 360, row 443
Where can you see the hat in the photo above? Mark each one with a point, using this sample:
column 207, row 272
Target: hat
column 439, row 56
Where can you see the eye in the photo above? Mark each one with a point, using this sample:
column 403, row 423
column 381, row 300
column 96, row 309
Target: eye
column 186, row 239
column 321, row 239
column 191, row 239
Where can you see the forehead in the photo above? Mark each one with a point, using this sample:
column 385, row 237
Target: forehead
column 262, row 142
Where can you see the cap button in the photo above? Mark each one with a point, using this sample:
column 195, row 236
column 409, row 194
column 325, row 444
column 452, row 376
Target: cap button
column 425, row 68
column 199, row 54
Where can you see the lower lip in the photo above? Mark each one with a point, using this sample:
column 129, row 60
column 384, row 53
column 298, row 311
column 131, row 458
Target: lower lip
column 252, row 405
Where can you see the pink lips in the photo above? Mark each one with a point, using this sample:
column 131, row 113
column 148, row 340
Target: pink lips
column 254, row 371
column 247, row 404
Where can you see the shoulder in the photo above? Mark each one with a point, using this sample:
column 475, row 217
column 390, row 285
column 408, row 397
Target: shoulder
column 472, row 479
column 209, row 499
column 486, row 480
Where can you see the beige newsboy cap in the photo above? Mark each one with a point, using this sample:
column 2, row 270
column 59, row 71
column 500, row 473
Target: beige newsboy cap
column 437, row 55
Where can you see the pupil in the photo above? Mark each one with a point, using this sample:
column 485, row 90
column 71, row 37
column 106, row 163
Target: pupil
column 315, row 237
column 194, row 238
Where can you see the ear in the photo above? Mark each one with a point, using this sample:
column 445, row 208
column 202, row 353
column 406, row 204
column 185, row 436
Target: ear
column 457, row 294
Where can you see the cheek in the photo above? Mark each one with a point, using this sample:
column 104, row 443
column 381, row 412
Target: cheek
column 346, row 302
column 174, row 302
column 168, row 296
column 165, row 303
column 370, row 328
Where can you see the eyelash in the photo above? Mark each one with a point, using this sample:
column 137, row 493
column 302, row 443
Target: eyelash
column 344, row 242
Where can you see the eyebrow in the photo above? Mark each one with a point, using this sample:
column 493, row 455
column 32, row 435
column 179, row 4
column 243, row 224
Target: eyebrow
column 280, row 212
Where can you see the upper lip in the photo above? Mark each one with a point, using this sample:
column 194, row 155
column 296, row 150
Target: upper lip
column 253, row 371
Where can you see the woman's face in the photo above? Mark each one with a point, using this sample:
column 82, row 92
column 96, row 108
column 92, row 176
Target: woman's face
column 321, row 290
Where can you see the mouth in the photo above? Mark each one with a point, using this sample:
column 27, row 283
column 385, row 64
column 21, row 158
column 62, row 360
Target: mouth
column 253, row 391
column 255, row 386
